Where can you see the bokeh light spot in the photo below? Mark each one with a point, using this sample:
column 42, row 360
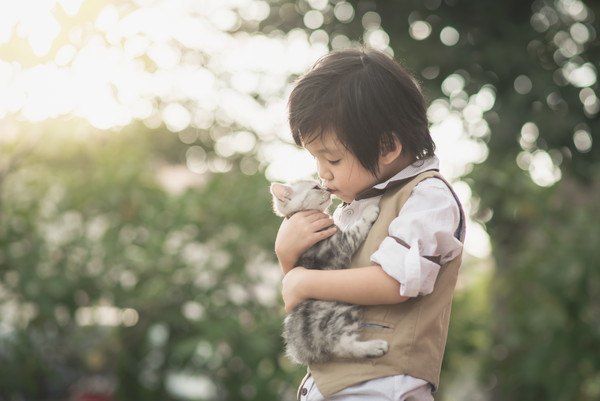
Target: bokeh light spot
column 453, row 84
column 580, row 76
column 449, row 36
column 582, row 140
column 579, row 32
column 313, row 19
column 371, row 20
column 419, row 30
column 542, row 169
column 344, row 12
column 523, row 84
column 196, row 159
column 176, row 117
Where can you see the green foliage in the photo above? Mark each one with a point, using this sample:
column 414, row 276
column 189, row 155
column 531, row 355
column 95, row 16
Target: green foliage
column 187, row 282
column 546, row 308
column 491, row 51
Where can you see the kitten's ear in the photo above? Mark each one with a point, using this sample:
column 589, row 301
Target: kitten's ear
column 281, row 191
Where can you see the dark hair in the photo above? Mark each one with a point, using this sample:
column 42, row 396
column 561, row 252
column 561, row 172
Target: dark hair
column 365, row 98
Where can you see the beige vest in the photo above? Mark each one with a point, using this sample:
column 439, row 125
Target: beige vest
column 416, row 330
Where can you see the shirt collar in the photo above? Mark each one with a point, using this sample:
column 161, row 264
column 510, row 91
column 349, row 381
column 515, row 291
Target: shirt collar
column 400, row 178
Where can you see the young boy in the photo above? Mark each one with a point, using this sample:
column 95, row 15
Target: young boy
column 363, row 119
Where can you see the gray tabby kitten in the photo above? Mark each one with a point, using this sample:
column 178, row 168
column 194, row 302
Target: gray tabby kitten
column 317, row 331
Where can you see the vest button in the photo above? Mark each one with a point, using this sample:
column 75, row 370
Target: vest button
column 349, row 212
column 304, row 391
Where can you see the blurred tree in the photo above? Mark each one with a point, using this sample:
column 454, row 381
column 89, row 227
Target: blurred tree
column 107, row 275
column 538, row 186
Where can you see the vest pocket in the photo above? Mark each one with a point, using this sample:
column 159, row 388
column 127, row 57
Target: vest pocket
column 375, row 326
column 376, row 329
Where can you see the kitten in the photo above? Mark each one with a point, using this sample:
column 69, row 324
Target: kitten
column 317, row 331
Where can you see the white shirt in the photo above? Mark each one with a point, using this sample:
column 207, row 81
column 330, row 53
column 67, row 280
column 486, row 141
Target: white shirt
column 421, row 238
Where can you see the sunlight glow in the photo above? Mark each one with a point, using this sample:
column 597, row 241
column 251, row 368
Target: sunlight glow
column 542, row 169
column 460, row 131
column 292, row 163
column 103, row 79
column 186, row 66
column 106, row 315
column 71, row 7
column 191, row 386
column 377, row 39
column 453, row 84
column 477, row 241
column 580, row 76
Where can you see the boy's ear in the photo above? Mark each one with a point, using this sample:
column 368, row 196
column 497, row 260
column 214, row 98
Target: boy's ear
column 390, row 155
column 281, row 191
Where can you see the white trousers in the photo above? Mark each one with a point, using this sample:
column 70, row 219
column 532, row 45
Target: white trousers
column 391, row 388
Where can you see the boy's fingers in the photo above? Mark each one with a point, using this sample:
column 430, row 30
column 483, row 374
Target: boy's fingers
column 328, row 232
column 311, row 212
column 323, row 223
column 314, row 215
column 310, row 215
column 314, row 218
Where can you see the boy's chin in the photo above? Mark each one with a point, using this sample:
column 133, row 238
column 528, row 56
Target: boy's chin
column 343, row 198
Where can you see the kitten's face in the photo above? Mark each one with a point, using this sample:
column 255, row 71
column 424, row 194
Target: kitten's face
column 300, row 195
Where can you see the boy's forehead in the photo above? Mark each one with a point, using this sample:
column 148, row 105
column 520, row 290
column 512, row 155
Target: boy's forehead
column 326, row 143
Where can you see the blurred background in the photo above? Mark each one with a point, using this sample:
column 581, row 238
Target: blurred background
column 137, row 142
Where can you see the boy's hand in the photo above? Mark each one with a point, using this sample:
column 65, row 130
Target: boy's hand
column 300, row 232
column 292, row 289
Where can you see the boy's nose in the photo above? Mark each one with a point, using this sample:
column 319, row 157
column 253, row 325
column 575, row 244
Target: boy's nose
column 324, row 174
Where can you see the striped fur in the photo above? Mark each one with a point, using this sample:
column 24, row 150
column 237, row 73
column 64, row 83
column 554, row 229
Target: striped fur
column 317, row 331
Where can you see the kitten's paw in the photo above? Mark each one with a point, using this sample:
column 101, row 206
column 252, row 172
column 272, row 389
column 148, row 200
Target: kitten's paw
column 376, row 348
column 371, row 212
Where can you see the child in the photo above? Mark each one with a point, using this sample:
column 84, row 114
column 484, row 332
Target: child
column 363, row 119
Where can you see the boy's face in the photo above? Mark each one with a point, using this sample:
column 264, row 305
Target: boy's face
column 339, row 170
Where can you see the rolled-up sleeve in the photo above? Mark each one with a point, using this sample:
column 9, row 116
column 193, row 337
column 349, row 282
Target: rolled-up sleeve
column 421, row 239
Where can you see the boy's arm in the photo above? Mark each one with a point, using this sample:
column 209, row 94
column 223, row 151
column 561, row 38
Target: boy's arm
column 362, row 286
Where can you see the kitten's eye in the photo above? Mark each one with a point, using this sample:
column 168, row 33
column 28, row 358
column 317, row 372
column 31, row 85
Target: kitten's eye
column 316, row 187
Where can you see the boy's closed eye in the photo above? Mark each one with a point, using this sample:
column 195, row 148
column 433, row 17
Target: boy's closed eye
column 334, row 162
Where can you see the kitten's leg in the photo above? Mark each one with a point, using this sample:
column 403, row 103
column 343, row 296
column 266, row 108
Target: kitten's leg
column 344, row 335
column 370, row 214
column 355, row 235
column 349, row 346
